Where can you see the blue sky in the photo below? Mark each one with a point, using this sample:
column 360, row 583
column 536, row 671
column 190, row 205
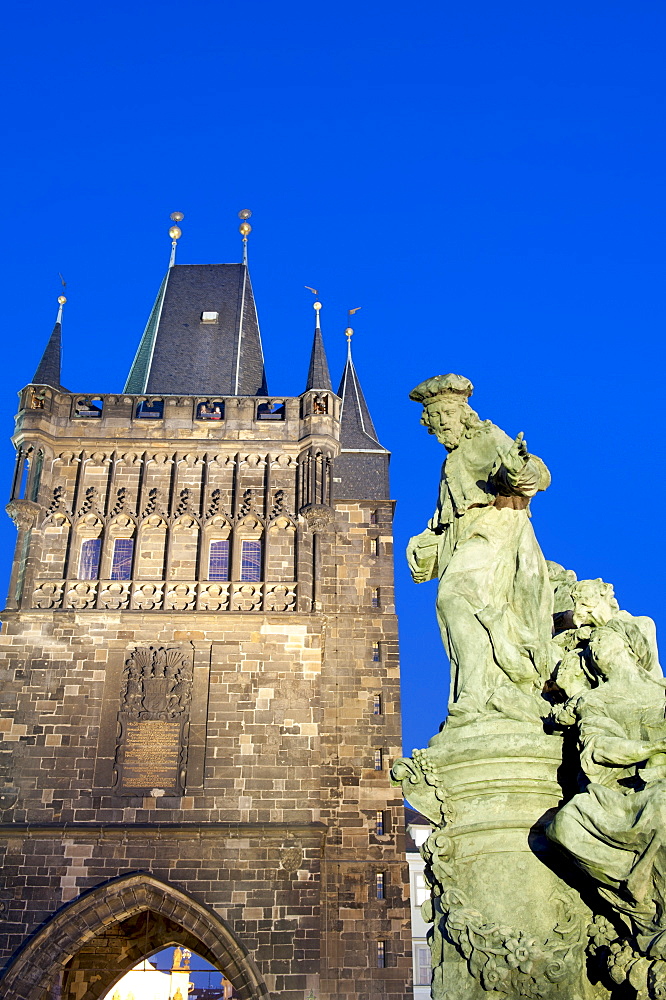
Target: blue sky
column 486, row 180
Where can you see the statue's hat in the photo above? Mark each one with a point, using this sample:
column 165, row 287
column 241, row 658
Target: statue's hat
column 440, row 385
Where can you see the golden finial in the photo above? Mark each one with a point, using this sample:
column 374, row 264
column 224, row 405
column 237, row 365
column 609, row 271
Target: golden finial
column 349, row 333
column 61, row 302
column 175, row 233
column 244, row 229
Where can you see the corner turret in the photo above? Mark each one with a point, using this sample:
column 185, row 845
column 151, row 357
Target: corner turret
column 361, row 470
column 48, row 369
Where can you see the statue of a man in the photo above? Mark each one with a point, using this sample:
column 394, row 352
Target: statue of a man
column 492, row 575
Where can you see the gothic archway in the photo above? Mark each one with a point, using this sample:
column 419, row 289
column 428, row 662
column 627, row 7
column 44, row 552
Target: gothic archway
column 124, row 919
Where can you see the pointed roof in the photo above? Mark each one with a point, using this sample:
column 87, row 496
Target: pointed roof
column 202, row 336
column 48, row 369
column 319, row 376
column 357, row 431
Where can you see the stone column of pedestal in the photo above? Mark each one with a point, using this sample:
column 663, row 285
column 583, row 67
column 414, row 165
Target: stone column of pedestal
column 504, row 922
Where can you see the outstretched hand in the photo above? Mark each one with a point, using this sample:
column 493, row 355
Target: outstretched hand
column 517, row 455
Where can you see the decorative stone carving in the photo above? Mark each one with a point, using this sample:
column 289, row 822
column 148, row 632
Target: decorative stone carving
column 81, row 595
column 317, row 516
column 48, row 594
column 247, row 597
column 214, row 596
column 181, row 596
column 279, row 597
column 24, row 513
column 148, row 596
column 157, row 683
column 114, row 595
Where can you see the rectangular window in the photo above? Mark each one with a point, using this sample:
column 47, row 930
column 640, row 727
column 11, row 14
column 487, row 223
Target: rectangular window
column 89, row 560
column 379, row 760
column 379, row 823
column 121, row 565
column 373, row 517
column 381, row 954
column 380, row 882
column 218, row 560
column 374, row 546
column 250, row 561
column 377, row 705
column 375, row 652
column 423, row 965
column 375, row 598
column 421, row 890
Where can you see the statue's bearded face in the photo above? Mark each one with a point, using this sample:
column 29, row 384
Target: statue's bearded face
column 444, row 417
column 591, row 607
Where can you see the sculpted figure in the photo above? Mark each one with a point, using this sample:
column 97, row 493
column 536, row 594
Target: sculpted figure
column 615, row 830
column 594, row 605
column 493, row 589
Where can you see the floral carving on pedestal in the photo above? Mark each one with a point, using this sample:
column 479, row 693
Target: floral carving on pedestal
column 507, row 959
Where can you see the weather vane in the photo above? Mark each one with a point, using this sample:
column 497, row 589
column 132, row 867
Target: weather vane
column 317, row 305
column 175, row 233
column 349, row 332
column 244, row 229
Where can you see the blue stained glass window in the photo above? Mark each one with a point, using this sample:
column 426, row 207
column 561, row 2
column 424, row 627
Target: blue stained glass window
column 251, row 561
column 218, row 560
column 89, row 561
column 121, row 567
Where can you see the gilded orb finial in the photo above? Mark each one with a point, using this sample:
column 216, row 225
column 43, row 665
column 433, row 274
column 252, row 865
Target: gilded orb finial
column 175, row 233
column 244, row 229
column 62, row 300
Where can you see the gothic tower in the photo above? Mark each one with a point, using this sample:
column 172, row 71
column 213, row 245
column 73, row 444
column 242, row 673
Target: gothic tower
column 200, row 663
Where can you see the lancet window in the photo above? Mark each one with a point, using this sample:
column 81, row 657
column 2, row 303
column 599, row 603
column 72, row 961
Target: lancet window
column 121, row 562
column 91, row 549
column 250, row 561
column 218, row 559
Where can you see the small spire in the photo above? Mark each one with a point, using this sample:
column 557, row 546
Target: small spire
column 244, row 229
column 48, row 369
column 175, row 233
column 318, row 374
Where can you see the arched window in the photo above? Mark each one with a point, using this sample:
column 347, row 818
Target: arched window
column 218, row 559
column 89, row 559
column 250, row 561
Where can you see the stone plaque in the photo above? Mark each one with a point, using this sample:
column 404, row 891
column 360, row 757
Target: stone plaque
column 151, row 746
column 151, row 757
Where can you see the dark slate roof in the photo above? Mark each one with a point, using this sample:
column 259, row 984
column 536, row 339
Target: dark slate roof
column 361, row 470
column 179, row 354
column 48, row 369
column 319, row 376
column 356, row 427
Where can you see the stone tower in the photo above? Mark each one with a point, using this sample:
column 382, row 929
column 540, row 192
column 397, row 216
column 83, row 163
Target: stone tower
column 200, row 665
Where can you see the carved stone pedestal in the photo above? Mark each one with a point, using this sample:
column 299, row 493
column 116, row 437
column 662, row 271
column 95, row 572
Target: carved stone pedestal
column 504, row 923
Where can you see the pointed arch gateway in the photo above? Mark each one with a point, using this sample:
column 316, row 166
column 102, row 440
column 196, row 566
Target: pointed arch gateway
column 90, row 943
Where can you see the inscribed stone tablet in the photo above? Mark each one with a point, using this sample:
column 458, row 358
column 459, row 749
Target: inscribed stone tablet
column 151, row 754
